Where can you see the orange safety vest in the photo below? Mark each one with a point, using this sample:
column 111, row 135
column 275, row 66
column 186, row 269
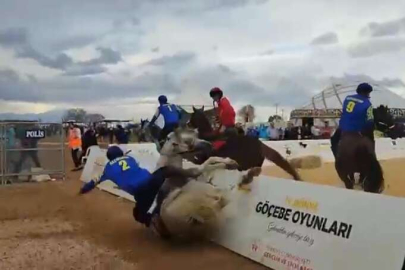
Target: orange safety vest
column 74, row 141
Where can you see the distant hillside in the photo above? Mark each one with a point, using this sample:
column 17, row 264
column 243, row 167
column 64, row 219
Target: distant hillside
column 50, row 116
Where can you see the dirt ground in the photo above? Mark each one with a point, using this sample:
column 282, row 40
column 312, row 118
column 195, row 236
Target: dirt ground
column 49, row 226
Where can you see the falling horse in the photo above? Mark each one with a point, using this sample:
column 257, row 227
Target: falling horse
column 189, row 208
column 248, row 152
column 356, row 154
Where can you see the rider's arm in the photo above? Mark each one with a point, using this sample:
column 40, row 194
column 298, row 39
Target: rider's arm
column 369, row 117
column 155, row 117
column 179, row 111
column 368, row 128
column 89, row 186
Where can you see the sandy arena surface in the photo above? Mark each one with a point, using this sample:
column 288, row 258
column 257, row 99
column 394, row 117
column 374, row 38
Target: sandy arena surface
column 49, row 226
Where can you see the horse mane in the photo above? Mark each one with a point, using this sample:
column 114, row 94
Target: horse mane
column 201, row 121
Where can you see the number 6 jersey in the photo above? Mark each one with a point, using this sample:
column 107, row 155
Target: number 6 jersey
column 357, row 114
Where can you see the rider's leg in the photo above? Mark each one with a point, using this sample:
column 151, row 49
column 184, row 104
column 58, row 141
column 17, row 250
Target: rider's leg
column 167, row 129
column 334, row 140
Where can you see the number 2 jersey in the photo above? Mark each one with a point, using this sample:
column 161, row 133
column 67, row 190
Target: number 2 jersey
column 357, row 114
column 124, row 172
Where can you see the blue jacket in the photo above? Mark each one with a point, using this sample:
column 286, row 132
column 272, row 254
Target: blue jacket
column 124, row 172
column 357, row 114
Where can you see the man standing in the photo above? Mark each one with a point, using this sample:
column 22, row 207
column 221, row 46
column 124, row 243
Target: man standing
column 75, row 144
column 171, row 115
column 226, row 113
column 357, row 116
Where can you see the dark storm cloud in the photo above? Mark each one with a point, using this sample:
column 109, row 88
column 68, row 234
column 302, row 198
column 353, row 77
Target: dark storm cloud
column 12, row 87
column 18, row 39
column 267, row 53
column 225, row 69
column 107, row 56
column 135, row 21
column 15, row 87
column 61, row 61
column 178, row 59
column 359, row 78
column 376, row 46
column 326, row 39
column 390, row 28
column 13, row 37
column 74, row 42
column 84, row 70
column 206, row 5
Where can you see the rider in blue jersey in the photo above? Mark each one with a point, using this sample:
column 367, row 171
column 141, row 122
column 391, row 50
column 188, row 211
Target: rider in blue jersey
column 126, row 173
column 357, row 116
column 171, row 115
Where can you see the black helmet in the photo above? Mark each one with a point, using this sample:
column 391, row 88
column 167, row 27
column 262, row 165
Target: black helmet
column 162, row 99
column 216, row 91
column 114, row 152
column 364, row 88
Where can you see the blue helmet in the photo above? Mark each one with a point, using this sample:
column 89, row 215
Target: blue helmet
column 114, row 152
column 162, row 99
column 364, row 88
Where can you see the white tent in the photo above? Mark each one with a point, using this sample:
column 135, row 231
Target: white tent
column 326, row 106
column 332, row 97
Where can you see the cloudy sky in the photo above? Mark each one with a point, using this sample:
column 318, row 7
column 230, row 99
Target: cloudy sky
column 116, row 57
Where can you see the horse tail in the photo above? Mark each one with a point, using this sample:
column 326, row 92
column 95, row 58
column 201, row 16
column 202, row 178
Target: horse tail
column 374, row 182
column 275, row 157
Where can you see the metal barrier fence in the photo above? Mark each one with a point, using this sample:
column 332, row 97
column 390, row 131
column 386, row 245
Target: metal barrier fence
column 31, row 151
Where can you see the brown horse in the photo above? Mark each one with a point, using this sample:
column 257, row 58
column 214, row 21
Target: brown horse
column 356, row 154
column 248, row 152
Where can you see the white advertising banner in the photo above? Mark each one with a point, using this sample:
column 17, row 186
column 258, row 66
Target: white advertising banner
column 292, row 225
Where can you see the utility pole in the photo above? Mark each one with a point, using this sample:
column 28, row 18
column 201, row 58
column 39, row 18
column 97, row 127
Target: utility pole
column 276, row 108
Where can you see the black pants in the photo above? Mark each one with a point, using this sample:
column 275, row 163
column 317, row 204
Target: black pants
column 167, row 129
column 334, row 141
column 146, row 194
column 75, row 157
column 24, row 156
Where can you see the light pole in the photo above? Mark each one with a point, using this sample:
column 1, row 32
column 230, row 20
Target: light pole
column 276, row 108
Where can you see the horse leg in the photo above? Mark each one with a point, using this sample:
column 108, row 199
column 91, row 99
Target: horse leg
column 374, row 180
column 279, row 160
column 344, row 176
column 214, row 163
column 248, row 178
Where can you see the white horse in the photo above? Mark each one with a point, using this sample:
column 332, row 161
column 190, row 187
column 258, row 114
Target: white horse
column 191, row 211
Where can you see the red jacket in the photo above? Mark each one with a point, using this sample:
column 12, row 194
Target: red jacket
column 226, row 113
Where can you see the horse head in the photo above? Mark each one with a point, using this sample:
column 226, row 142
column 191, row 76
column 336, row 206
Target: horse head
column 144, row 122
column 180, row 141
column 199, row 120
column 383, row 119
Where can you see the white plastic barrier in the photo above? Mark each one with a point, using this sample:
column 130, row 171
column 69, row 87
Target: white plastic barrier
column 293, row 225
column 272, row 223
column 95, row 166
column 386, row 148
column 147, row 156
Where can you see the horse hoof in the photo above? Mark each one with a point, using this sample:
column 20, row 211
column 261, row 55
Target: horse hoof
column 245, row 188
column 254, row 172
